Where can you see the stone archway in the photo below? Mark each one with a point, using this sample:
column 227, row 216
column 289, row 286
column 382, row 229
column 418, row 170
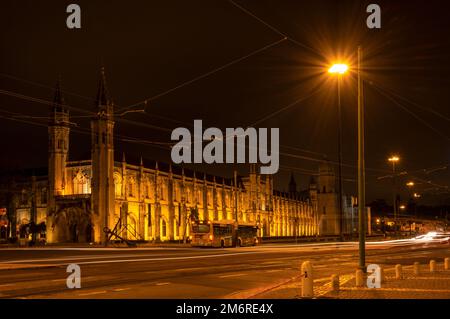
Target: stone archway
column 74, row 225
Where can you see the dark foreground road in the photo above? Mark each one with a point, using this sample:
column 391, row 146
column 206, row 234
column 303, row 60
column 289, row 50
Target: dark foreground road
column 188, row 272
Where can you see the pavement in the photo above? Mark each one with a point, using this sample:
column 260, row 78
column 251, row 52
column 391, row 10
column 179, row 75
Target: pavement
column 425, row 285
column 265, row 271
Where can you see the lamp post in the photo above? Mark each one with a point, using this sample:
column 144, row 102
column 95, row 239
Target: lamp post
column 394, row 159
column 361, row 171
column 339, row 69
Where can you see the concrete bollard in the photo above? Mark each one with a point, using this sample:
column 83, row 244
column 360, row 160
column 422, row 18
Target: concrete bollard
column 416, row 268
column 447, row 263
column 307, row 280
column 359, row 276
column 398, row 271
column 335, row 283
column 432, row 265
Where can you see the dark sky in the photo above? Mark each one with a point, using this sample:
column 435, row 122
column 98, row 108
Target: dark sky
column 150, row 47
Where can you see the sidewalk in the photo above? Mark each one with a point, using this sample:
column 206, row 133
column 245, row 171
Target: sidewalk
column 426, row 285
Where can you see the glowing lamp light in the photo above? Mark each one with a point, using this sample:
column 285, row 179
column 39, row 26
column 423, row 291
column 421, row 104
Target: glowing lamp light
column 394, row 158
column 338, row 68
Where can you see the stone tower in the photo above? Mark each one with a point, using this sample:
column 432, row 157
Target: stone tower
column 58, row 149
column 102, row 149
column 327, row 201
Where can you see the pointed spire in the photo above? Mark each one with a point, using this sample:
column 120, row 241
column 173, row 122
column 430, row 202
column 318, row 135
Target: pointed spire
column 102, row 93
column 123, row 157
column 292, row 185
column 58, row 100
column 142, row 162
column 292, row 178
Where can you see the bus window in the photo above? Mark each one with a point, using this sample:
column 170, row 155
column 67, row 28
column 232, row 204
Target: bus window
column 203, row 229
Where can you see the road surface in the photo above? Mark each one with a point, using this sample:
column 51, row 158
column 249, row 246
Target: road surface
column 189, row 272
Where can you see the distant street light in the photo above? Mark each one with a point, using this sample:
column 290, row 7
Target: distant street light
column 410, row 184
column 339, row 69
column 394, row 159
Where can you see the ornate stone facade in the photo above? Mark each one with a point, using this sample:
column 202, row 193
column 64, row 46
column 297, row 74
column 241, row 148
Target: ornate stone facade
column 152, row 201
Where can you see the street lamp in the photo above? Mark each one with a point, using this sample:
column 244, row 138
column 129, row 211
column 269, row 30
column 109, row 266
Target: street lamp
column 361, row 169
column 339, row 69
column 394, row 159
column 410, row 184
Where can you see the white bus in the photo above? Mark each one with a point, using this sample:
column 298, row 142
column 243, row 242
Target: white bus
column 222, row 234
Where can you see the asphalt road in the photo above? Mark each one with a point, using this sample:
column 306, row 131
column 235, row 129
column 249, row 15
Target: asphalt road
column 189, row 272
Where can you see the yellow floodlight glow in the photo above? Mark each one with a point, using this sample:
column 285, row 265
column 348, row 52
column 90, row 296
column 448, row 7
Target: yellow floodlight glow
column 338, row 68
column 394, row 158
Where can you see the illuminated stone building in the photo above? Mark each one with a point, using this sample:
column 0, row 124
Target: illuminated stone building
column 147, row 200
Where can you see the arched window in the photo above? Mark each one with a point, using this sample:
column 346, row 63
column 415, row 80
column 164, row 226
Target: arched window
column 219, row 199
column 147, row 190
column 118, row 185
column 164, row 228
column 24, row 197
column 163, row 191
column 131, row 188
column 44, row 195
column 81, row 183
column 188, row 195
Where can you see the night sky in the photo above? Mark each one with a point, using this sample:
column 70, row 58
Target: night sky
column 149, row 48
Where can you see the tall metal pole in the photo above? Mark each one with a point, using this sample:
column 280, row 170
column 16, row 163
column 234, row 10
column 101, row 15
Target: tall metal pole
column 394, row 191
column 341, row 210
column 236, row 222
column 361, row 170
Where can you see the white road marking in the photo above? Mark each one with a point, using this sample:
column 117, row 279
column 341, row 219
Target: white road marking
column 162, row 283
column 165, row 258
column 131, row 260
column 121, row 289
column 232, row 275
